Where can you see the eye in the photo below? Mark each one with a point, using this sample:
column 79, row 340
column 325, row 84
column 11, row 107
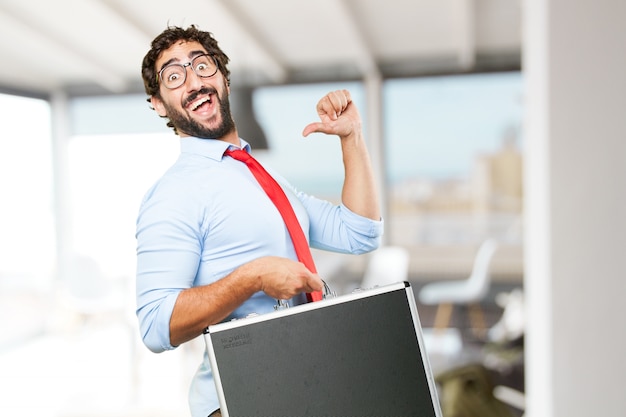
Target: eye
column 173, row 76
column 204, row 66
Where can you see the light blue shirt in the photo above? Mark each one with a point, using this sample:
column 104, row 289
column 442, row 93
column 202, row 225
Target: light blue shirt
column 208, row 215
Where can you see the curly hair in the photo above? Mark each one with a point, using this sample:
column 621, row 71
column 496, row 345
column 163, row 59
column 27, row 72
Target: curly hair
column 169, row 37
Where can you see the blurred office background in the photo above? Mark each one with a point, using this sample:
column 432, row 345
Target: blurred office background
column 487, row 121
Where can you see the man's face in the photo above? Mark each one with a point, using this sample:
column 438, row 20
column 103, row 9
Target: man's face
column 200, row 107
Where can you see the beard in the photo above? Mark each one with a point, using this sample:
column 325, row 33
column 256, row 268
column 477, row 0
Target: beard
column 183, row 123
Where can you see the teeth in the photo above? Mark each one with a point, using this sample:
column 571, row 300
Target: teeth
column 200, row 103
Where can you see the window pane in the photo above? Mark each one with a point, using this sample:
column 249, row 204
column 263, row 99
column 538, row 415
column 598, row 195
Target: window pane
column 27, row 243
column 311, row 164
column 454, row 157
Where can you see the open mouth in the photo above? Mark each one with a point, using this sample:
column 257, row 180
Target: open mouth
column 200, row 103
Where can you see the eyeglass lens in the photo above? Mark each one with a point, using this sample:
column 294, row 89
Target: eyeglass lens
column 174, row 75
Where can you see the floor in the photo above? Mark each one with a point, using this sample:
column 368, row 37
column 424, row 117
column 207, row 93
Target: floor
column 459, row 347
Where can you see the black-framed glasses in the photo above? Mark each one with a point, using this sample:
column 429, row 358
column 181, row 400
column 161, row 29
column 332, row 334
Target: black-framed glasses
column 174, row 75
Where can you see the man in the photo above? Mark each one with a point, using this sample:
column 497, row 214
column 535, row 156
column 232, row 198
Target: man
column 211, row 245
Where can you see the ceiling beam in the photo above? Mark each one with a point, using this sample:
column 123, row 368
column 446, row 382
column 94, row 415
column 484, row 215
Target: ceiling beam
column 366, row 61
column 277, row 71
column 467, row 34
column 130, row 20
column 97, row 69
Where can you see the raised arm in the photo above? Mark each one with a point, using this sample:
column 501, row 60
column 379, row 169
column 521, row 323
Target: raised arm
column 340, row 116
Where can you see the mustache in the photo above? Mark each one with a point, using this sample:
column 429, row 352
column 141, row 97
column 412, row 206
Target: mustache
column 202, row 91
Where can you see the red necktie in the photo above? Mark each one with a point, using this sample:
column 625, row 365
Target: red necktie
column 278, row 197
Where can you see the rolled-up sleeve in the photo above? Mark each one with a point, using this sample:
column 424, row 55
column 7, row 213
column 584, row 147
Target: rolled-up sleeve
column 168, row 253
column 336, row 228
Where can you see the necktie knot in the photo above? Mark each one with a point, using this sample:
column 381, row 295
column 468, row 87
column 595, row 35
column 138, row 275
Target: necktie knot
column 238, row 154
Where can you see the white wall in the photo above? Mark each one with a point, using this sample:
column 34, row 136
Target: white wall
column 575, row 68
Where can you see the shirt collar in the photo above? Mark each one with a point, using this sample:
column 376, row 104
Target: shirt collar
column 211, row 148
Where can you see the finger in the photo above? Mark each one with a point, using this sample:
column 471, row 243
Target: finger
column 326, row 128
column 329, row 108
column 315, row 283
column 312, row 128
column 326, row 108
column 333, row 104
column 339, row 99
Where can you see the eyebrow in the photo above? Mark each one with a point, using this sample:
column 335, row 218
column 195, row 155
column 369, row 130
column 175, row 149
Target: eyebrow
column 192, row 55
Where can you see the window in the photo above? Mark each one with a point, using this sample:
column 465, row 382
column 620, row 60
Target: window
column 27, row 241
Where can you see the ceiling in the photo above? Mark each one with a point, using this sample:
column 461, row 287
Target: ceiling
column 93, row 47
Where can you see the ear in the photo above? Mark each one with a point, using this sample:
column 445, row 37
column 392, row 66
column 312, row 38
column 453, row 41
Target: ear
column 158, row 106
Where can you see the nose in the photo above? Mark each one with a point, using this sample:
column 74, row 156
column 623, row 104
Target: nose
column 192, row 80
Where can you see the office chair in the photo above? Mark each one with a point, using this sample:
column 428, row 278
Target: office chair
column 470, row 291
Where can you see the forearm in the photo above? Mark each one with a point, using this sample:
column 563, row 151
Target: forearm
column 198, row 307
column 359, row 188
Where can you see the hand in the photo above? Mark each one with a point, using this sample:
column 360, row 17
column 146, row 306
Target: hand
column 339, row 116
column 282, row 278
